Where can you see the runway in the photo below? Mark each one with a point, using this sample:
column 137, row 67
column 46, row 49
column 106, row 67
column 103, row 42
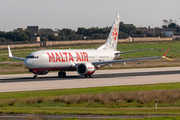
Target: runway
column 25, row 82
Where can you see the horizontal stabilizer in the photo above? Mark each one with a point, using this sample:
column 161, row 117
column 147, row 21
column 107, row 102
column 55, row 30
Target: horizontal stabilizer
column 164, row 56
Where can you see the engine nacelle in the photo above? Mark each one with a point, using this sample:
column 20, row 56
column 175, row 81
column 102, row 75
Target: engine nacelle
column 85, row 69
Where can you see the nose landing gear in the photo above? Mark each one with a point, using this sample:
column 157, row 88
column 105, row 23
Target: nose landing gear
column 36, row 73
column 35, row 77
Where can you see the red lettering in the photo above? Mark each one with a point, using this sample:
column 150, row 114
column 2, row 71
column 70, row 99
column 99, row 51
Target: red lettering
column 85, row 56
column 71, row 57
column 78, row 57
column 51, row 57
column 57, row 57
column 65, row 53
column 90, row 67
column 82, row 56
column 63, row 60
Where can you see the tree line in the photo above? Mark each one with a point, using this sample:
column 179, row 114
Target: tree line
column 125, row 30
column 87, row 33
column 15, row 36
column 171, row 24
column 66, row 34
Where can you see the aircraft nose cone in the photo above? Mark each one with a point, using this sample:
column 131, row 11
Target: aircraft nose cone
column 28, row 63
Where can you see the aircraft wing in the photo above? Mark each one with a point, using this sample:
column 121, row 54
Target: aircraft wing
column 11, row 56
column 133, row 51
column 125, row 60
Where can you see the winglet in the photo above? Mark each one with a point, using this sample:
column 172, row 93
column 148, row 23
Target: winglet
column 164, row 56
column 9, row 50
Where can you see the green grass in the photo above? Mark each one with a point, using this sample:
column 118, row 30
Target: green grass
column 142, row 118
column 99, row 111
column 16, row 102
column 11, row 65
column 55, row 93
column 158, row 49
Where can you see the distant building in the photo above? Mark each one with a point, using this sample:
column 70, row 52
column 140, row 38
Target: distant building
column 33, row 29
column 21, row 29
column 158, row 30
column 34, row 38
column 176, row 36
column 169, row 29
column 147, row 30
column 168, row 33
column 55, row 34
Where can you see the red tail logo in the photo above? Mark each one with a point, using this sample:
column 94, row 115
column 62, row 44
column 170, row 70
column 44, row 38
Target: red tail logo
column 114, row 33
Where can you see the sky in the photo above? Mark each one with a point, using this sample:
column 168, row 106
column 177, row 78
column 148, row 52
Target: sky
column 85, row 13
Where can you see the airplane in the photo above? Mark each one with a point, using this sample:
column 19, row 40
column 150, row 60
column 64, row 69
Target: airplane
column 84, row 61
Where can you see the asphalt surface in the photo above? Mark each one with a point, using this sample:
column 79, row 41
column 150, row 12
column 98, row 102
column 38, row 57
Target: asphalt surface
column 95, row 76
column 25, row 82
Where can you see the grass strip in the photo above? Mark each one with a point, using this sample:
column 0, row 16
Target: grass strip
column 97, row 111
column 23, row 102
column 95, row 90
column 142, row 118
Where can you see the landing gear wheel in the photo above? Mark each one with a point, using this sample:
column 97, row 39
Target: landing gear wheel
column 87, row 76
column 59, row 74
column 62, row 74
column 35, row 77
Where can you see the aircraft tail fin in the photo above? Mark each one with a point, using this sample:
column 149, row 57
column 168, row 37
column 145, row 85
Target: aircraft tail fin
column 111, row 43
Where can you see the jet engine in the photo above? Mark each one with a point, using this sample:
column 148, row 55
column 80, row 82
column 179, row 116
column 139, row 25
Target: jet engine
column 85, row 69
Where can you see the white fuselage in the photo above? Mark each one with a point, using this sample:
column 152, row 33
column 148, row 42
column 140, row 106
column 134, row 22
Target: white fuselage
column 48, row 60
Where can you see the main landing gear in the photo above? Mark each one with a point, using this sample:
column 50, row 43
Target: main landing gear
column 88, row 75
column 62, row 74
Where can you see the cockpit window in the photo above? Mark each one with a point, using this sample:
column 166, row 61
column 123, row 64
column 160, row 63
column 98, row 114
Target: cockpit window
column 30, row 56
column 36, row 57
